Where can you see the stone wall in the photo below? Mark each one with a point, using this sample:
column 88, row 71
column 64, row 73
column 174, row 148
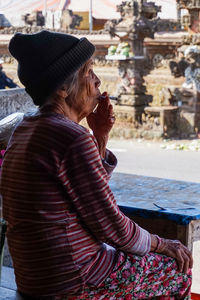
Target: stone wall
column 180, row 123
column 14, row 100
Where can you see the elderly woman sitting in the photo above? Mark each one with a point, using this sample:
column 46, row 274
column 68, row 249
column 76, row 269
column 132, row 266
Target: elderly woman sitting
column 67, row 237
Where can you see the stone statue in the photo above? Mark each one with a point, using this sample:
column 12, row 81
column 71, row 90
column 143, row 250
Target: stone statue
column 192, row 72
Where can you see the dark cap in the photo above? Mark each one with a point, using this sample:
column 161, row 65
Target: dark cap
column 46, row 59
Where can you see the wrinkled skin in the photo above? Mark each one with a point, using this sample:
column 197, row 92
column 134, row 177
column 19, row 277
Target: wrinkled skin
column 177, row 250
column 101, row 122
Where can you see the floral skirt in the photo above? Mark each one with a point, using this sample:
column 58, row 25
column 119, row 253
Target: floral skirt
column 135, row 277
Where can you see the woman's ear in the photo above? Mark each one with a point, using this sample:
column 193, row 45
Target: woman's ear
column 62, row 93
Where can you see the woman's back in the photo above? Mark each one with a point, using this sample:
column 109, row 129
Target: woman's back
column 45, row 233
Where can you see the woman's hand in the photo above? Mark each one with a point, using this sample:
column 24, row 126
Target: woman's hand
column 101, row 121
column 178, row 251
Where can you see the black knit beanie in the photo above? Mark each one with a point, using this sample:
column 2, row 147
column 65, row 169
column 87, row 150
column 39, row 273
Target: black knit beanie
column 46, row 59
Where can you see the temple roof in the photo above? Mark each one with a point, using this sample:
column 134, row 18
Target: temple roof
column 102, row 9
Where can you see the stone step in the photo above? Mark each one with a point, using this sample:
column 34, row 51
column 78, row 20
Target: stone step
column 8, row 278
column 167, row 79
column 7, row 294
column 8, row 286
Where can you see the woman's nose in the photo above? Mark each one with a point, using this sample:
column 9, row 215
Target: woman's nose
column 97, row 81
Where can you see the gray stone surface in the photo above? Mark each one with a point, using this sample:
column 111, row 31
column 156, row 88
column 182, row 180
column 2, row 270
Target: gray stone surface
column 8, row 285
column 7, row 260
column 14, row 100
column 157, row 197
column 7, row 294
column 8, row 278
column 8, row 124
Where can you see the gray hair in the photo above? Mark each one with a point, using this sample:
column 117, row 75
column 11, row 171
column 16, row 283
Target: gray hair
column 71, row 86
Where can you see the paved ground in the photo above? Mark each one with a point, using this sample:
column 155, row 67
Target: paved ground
column 149, row 159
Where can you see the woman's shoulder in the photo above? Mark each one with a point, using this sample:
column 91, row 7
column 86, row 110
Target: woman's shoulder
column 53, row 130
column 74, row 134
column 65, row 126
column 70, row 134
column 56, row 124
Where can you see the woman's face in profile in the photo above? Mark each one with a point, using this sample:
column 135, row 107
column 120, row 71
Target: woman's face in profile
column 89, row 88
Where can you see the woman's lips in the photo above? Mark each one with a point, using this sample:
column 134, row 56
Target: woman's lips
column 101, row 97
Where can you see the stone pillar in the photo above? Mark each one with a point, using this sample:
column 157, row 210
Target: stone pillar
column 132, row 90
column 197, row 113
column 138, row 20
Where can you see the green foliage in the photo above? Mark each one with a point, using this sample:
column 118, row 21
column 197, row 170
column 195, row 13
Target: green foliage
column 122, row 49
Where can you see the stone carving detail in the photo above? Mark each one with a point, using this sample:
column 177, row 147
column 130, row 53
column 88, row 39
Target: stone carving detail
column 132, row 81
column 190, row 20
column 165, row 25
column 35, row 18
column 188, row 4
column 192, row 72
column 189, row 94
column 188, row 66
column 191, row 39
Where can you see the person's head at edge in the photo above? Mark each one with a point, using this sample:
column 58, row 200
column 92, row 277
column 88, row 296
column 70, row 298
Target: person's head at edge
column 57, row 71
column 1, row 64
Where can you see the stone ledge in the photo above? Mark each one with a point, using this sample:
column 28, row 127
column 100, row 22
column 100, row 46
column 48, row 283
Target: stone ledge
column 7, row 294
column 15, row 100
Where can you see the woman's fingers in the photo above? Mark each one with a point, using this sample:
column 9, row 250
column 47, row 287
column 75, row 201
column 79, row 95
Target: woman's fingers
column 187, row 263
column 178, row 251
column 102, row 119
column 185, row 259
column 180, row 260
column 105, row 109
column 104, row 103
column 104, row 94
column 111, row 115
column 110, row 110
column 189, row 255
column 191, row 261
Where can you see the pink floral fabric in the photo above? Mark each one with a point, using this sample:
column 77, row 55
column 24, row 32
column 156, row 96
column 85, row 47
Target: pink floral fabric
column 136, row 277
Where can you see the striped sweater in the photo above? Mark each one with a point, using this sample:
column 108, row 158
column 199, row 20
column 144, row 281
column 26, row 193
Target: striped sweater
column 60, row 210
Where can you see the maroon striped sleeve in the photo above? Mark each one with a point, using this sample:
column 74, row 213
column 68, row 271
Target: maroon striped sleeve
column 94, row 200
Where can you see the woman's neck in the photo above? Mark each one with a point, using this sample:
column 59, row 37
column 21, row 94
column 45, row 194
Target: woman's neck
column 62, row 109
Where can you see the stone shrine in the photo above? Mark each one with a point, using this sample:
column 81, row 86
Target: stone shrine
column 138, row 20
